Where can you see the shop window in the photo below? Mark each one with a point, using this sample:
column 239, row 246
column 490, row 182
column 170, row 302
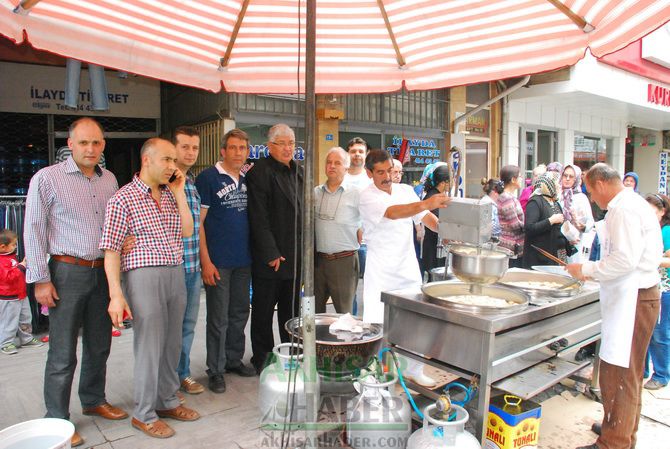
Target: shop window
column 477, row 94
column 422, row 151
column 23, row 150
column 373, row 140
column 589, row 151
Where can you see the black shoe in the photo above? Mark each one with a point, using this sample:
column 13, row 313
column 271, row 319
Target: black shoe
column 217, row 383
column 242, row 370
column 596, row 428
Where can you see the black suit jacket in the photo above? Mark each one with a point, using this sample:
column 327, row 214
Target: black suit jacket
column 275, row 193
column 541, row 233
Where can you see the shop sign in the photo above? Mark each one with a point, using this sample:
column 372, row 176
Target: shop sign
column 421, row 151
column 663, row 173
column 41, row 90
column 259, row 151
column 658, row 95
column 478, row 124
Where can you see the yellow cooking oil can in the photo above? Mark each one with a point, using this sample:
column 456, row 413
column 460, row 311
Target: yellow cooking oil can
column 512, row 423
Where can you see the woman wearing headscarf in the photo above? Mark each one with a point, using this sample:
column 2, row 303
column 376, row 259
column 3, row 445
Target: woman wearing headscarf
column 544, row 217
column 576, row 207
column 492, row 189
column 436, row 182
column 632, row 180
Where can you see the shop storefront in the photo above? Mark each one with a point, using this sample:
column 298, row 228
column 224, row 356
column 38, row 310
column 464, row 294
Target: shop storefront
column 609, row 110
column 34, row 120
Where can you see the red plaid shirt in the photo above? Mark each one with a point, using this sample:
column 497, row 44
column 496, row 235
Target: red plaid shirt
column 157, row 228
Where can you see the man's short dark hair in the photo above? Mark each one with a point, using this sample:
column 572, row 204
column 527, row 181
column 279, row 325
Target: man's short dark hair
column 185, row 130
column 237, row 133
column 375, row 157
column 602, row 172
column 77, row 122
column 357, row 140
column 150, row 143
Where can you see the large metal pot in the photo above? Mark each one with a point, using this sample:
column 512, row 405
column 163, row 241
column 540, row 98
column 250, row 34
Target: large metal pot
column 478, row 265
column 336, row 358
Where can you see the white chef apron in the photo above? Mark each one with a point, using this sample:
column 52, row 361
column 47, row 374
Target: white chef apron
column 618, row 303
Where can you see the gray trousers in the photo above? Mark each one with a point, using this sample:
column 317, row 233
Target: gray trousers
column 227, row 315
column 157, row 299
column 84, row 299
column 15, row 322
column 337, row 279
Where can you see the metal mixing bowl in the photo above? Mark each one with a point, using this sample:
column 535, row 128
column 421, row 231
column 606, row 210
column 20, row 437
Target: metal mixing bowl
column 336, row 358
column 478, row 265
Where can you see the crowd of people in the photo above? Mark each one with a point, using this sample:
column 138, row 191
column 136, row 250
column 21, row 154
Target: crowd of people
column 100, row 256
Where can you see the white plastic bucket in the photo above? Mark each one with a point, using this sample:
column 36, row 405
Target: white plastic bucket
column 45, row 433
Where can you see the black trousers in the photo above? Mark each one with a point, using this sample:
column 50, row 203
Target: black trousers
column 268, row 293
column 84, row 298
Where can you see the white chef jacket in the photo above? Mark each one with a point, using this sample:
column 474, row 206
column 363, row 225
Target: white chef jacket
column 391, row 262
column 631, row 250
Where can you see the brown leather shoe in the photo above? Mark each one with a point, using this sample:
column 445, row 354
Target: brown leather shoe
column 106, row 411
column 190, row 386
column 156, row 429
column 76, row 439
column 180, row 413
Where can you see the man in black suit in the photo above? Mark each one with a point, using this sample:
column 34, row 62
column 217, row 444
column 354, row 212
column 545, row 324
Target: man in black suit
column 275, row 215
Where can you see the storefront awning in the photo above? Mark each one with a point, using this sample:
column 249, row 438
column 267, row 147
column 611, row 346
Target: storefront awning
column 362, row 46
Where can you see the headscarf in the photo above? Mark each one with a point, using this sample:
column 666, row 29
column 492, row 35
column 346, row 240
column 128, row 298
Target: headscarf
column 429, row 171
column 568, row 193
column 633, row 175
column 547, row 186
column 555, row 167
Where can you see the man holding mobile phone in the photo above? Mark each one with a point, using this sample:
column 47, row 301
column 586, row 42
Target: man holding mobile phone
column 154, row 293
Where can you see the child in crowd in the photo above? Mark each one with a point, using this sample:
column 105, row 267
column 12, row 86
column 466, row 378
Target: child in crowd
column 15, row 316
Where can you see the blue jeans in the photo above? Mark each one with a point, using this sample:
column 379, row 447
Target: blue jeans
column 659, row 347
column 193, row 284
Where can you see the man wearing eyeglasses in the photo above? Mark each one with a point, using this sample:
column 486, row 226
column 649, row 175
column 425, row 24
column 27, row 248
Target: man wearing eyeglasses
column 337, row 222
column 275, row 215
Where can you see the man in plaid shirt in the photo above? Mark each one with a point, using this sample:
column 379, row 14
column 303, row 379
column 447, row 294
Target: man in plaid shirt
column 187, row 141
column 153, row 208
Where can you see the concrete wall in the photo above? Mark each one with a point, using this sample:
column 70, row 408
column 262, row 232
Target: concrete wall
column 646, row 163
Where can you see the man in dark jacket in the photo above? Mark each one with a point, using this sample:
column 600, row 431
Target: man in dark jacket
column 275, row 215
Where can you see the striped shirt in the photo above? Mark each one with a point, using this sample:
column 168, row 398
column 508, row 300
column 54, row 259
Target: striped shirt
column 192, row 244
column 156, row 227
column 65, row 213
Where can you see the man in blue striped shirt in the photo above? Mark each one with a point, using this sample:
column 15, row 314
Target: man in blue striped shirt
column 187, row 141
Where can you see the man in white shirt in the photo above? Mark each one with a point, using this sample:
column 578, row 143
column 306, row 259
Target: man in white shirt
column 337, row 221
column 356, row 176
column 631, row 252
column 388, row 211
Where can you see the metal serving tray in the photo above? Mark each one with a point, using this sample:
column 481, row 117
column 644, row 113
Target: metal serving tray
column 536, row 276
column 439, row 293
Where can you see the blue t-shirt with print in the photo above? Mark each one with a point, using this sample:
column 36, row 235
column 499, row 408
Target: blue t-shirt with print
column 227, row 224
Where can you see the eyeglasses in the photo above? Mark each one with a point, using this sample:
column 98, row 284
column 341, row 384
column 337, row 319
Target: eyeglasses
column 322, row 216
column 284, row 144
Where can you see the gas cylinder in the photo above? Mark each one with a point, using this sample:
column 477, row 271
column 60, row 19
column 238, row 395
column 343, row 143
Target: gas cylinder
column 378, row 417
column 281, row 389
column 443, row 434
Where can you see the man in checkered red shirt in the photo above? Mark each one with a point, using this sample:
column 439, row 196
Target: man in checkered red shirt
column 153, row 208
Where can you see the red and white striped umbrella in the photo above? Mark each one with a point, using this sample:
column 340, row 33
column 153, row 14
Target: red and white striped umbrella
column 361, row 45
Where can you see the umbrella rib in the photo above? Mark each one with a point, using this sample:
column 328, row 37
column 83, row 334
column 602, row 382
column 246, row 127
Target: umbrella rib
column 576, row 19
column 243, row 11
column 398, row 55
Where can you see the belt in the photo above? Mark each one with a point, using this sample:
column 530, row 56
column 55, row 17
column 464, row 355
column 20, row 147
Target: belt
column 97, row 263
column 339, row 255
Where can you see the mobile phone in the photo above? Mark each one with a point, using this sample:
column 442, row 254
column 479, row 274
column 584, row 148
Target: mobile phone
column 173, row 177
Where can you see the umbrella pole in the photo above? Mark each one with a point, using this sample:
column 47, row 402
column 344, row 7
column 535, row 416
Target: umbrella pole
column 308, row 302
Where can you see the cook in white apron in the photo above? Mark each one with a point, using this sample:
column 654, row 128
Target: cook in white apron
column 391, row 262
